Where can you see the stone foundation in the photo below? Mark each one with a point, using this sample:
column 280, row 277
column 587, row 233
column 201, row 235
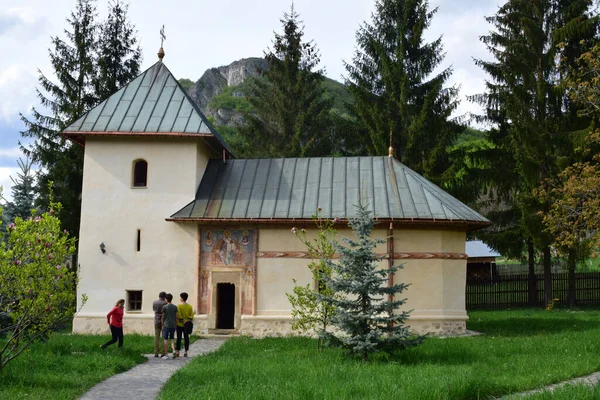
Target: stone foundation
column 438, row 323
column 266, row 325
column 260, row 326
column 95, row 324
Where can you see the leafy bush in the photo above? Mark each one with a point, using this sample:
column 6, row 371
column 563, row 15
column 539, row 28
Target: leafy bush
column 37, row 288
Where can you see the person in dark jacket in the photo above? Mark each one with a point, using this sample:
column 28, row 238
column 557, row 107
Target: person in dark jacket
column 157, row 307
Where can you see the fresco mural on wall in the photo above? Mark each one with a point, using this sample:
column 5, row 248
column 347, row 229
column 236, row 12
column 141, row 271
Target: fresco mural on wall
column 227, row 248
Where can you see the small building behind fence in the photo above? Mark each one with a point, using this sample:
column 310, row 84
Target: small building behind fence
column 481, row 264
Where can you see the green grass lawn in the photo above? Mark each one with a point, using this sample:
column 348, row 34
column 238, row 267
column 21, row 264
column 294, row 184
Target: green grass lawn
column 590, row 264
column 67, row 365
column 521, row 350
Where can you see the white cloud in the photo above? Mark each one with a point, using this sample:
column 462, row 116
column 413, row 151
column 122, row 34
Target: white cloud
column 11, row 152
column 24, row 23
column 6, row 182
column 25, row 15
column 17, row 85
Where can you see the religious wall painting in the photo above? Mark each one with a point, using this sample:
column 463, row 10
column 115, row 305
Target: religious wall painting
column 223, row 248
column 247, row 289
column 204, row 292
column 228, row 248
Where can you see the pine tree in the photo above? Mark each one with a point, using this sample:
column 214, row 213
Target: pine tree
column 23, row 193
column 367, row 313
column 119, row 55
column 73, row 64
column 394, row 89
column 527, row 106
column 89, row 65
column 290, row 116
column 574, row 194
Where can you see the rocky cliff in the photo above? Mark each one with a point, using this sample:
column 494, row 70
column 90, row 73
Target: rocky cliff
column 220, row 91
column 215, row 80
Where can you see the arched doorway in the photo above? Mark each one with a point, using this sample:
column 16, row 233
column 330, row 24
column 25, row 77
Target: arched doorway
column 225, row 305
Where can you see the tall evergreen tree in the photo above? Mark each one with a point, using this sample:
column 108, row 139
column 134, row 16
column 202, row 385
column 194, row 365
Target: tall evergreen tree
column 290, row 116
column 73, row 64
column 366, row 313
column 119, row 54
column 394, row 89
column 526, row 104
column 90, row 64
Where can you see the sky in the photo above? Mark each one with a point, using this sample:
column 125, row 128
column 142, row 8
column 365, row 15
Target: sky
column 202, row 34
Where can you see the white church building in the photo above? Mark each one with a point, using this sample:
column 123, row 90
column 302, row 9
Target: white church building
column 166, row 206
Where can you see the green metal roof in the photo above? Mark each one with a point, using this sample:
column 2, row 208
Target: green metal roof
column 293, row 188
column 152, row 104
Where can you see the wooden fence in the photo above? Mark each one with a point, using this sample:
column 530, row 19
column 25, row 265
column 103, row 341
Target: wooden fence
column 512, row 290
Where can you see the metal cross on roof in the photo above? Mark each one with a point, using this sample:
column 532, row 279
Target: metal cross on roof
column 162, row 35
column 161, row 52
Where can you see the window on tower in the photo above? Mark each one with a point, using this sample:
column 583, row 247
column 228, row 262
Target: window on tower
column 140, row 173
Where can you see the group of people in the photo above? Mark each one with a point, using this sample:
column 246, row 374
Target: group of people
column 168, row 320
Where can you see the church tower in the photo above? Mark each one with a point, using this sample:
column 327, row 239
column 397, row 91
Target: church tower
column 146, row 149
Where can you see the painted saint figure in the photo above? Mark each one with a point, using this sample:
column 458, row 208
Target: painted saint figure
column 226, row 248
column 208, row 242
column 245, row 238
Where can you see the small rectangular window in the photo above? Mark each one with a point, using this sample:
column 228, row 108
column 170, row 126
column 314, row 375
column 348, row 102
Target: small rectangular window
column 140, row 173
column 139, row 239
column 134, row 300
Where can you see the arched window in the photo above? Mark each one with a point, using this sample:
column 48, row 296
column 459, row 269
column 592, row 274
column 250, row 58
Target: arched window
column 140, row 173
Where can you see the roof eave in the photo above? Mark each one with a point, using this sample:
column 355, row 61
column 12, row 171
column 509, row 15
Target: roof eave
column 399, row 222
column 79, row 137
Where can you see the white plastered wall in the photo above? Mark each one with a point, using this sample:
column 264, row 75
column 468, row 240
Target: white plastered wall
column 437, row 286
column 112, row 211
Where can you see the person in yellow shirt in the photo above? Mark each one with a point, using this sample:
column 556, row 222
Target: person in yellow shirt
column 185, row 315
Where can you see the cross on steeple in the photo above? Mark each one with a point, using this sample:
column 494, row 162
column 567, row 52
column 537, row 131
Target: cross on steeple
column 161, row 52
column 162, row 35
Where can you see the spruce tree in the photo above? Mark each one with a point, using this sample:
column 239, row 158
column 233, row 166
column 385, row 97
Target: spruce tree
column 290, row 116
column 366, row 313
column 92, row 63
column 23, row 193
column 73, row 64
column 119, row 55
column 526, row 104
column 394, row 89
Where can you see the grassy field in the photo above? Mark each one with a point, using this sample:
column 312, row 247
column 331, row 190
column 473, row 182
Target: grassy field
column 520, row 350
column 68, row 365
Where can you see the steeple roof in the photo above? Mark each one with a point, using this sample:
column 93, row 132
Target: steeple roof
column 153, row 104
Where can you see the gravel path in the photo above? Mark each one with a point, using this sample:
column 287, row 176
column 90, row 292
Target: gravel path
column 144, row 381
column 589, row 380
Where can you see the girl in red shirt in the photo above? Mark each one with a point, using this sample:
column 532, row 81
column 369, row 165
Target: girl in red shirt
column 115, row 322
